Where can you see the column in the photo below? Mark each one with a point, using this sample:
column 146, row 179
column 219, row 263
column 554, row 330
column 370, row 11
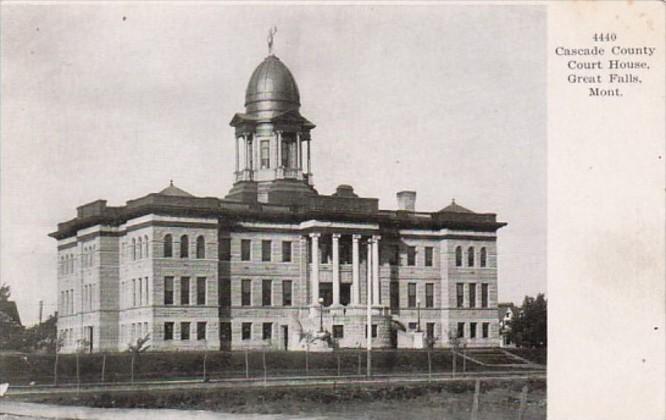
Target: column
column 237, row 157
column 309, row 168
column 356, row 283
column 314, row 273
column 375, row 270
column 278, row 149
column 248, row 152
column 368, row 261
column 299, row 164
column 336, row 268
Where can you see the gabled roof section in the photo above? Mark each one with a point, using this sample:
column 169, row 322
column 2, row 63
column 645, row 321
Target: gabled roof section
column 174, row 191
column 455, row 208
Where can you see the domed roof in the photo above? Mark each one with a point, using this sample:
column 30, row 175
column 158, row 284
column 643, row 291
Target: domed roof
column 272, row 89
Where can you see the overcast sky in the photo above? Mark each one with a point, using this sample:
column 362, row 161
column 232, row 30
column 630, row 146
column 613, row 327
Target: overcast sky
column 112, row 101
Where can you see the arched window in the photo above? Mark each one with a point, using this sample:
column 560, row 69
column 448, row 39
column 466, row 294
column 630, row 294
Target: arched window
column 62, row 265
column 168, row 246
column 145, row 242
column 470, row 256
column 483, row 257
column 201, row 247
column 459, row 256
column 139, row 248
column 133, row 249
column 184, row 247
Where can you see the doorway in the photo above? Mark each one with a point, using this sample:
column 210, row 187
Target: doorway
column 285, row 337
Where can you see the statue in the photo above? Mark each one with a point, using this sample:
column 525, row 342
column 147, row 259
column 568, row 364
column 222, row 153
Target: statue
column 271, row 36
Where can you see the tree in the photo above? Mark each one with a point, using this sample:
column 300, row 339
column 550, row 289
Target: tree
column 44, row 336
column 529, row 325
column 12, row 333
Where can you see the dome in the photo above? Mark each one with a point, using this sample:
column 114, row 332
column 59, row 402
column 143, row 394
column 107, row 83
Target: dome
column 272, row 89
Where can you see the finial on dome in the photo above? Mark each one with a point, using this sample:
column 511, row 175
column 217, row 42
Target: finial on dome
column 453, row 201
column 171, row 182
column 271, row 38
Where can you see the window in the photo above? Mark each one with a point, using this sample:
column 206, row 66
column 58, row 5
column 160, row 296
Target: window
column 168, row 246
column 265, row 251
column 430, row 295
column 411, row 255
column 470, row 256
column 483, row 256
column 184, row 290
column 265, row 151
column 266, row 291
column 184, row 247
column 184, row 330
column 267, row 331
column 225, row 249
column 338, row 331
column 428, row 256
column 461, row 329
column 459, row 295
column 201, row 247
column 140, row 284
column 145, row 243
column 326, row 293
column 246, row 292
column 458, row 256
column 133, row 292
column 139, row 248
column 412, row 326
column 147, row 292
column 285, row 146
column 472, row 330
column 286, row 292
column 168, row 331
column 411, row 295
column 245, row 249
column 374, row 330
column 201, row 330
column 201, row 290
column 246, row 331
column 472, row 295
column 484, row 295
column 286, row 251
column 484, row 329
column 394, row 255
column 394, row 291
column 430, row 330
column 133, row 249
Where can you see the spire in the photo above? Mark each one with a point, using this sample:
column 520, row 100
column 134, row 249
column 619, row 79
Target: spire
column 271, row 38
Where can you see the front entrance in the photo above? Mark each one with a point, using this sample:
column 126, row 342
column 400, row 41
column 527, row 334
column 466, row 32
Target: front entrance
column 89, row 339
column 285, row 337
column 225, row 335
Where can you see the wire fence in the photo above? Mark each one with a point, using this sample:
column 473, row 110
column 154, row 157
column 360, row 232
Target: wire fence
column 23, row 369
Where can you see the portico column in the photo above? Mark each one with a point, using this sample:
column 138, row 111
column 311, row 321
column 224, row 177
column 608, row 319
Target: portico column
column 336, row 268
column 278, row 151
column 368, row 283
column 309, row 168
column 299, row 164
column 314, row 276
column 356, row 283
column 375, row 270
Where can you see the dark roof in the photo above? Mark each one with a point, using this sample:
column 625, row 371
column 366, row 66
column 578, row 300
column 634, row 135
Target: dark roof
column 502, row 309
column 174, row 191
column 455, row 208
column 9, row 308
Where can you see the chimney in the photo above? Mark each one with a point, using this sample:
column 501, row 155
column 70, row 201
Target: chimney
column 406, row 200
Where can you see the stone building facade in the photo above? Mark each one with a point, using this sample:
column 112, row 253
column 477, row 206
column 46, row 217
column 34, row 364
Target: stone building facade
column 274, row 264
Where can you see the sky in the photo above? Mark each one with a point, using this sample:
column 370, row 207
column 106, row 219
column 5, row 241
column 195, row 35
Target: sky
column 111, row 101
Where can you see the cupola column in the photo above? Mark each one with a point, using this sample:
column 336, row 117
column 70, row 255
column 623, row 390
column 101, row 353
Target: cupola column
column 237, row 156
column 299, row 164
column 278, row 149
column 375, row 270
column 368, row 283
column 309, row 168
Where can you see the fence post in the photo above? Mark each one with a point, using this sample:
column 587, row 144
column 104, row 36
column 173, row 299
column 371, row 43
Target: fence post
column 247, row 366
column 78, row 377
column 205, row 377
column 132, row 370
column 103, row 366
column 453, row 353
column 263, row 358
column 523, row 403
column 359, row 364
column 55, row 371
column 464, row 360
column 338, row 355
column 475, row 403
column 307, row 361
column 429, row 366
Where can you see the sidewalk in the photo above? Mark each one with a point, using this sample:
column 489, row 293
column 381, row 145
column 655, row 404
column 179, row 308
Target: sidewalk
column 12, row 410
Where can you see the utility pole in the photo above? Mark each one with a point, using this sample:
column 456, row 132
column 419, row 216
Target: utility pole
column 41, row 310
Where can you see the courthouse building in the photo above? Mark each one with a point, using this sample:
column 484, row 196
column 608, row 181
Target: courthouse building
column 275, row 262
